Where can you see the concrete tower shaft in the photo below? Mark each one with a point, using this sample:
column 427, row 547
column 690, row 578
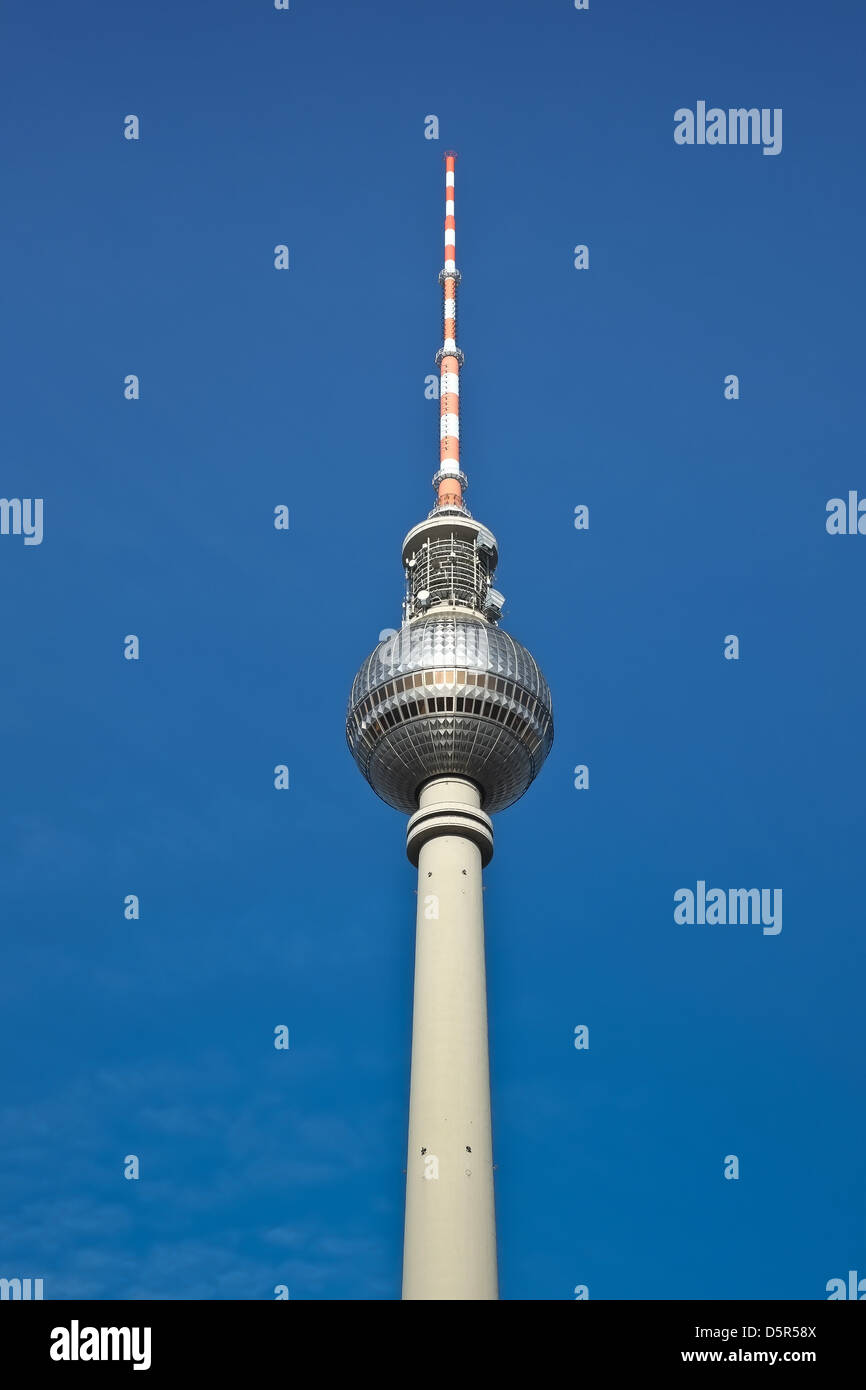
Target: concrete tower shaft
column 450, row 1239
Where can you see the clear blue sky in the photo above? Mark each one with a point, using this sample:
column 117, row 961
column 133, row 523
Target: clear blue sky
column 602, row 387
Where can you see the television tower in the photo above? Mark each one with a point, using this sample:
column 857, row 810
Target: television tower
column 450, row 720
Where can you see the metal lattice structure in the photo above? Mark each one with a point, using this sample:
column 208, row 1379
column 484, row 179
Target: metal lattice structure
column 448, row 560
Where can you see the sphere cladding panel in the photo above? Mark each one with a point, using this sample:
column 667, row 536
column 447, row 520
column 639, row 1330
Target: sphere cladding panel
column 465, row 665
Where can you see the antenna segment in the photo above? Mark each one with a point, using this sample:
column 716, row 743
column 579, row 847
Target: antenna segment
column 449, row 481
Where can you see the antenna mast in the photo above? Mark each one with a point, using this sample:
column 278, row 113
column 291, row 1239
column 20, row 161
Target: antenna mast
column 449, row 481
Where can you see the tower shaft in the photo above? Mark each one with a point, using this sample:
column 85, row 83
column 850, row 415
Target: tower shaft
column 450, row 1234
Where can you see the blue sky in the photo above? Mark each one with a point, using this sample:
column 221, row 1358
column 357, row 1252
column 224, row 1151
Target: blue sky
column 306, row 387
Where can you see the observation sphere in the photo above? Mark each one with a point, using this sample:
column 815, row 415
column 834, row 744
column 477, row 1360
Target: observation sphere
column 450, row 693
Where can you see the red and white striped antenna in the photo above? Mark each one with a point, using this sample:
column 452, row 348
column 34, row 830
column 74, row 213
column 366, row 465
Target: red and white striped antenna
column 449, row 481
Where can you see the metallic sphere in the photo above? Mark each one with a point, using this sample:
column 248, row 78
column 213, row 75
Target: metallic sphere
column 450, row 693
